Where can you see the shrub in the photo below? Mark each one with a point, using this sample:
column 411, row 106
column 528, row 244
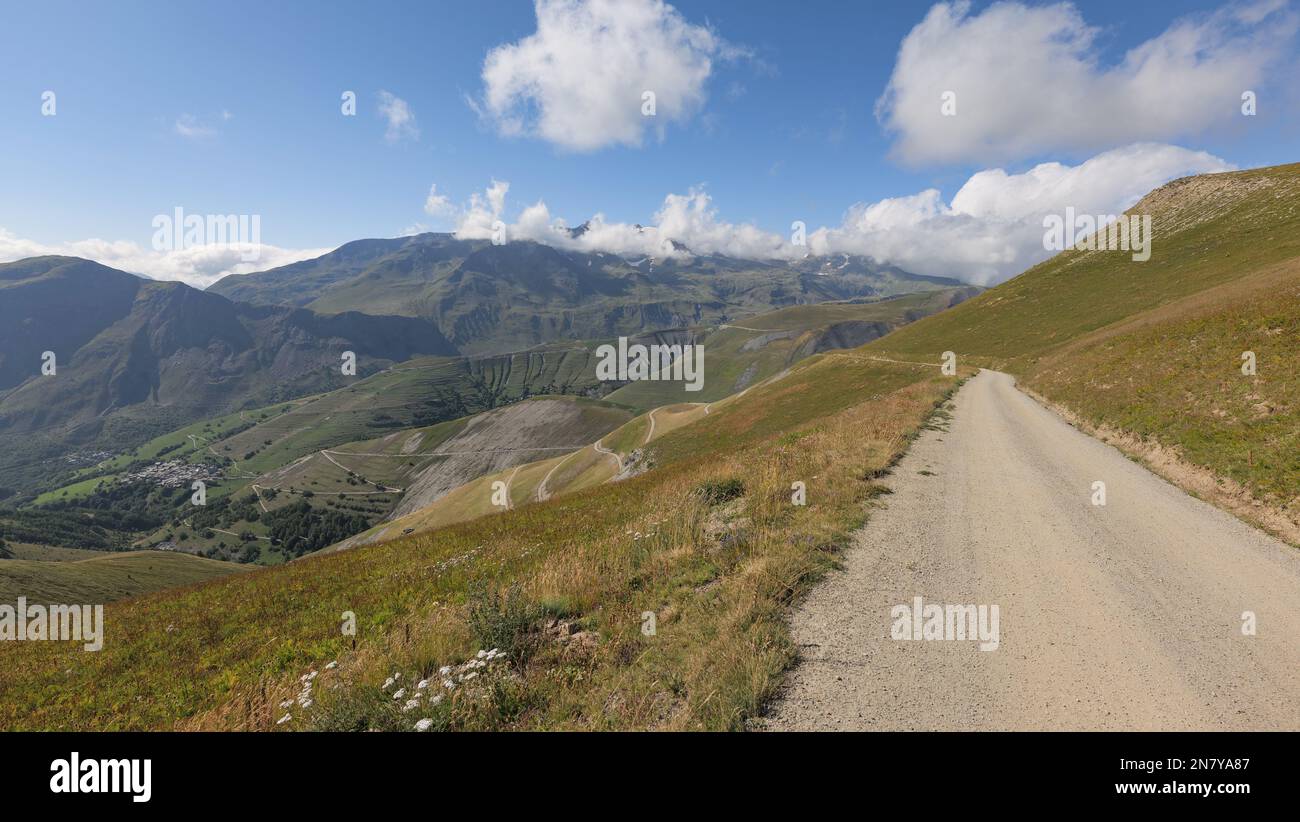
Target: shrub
column 506, row 621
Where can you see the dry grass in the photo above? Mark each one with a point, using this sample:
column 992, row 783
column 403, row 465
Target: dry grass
column 719, row 579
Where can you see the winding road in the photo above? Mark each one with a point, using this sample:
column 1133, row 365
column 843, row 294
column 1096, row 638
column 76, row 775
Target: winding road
column 1153, row 611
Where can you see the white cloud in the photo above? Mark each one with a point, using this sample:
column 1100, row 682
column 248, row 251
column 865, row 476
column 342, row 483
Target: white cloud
column 199, row 266
column 992, row 228
column 477, row 219
column 190, row 127
column 579, row 80
column 1029, row 80
column 688, row 219
column 437, row 205
column 401, row 120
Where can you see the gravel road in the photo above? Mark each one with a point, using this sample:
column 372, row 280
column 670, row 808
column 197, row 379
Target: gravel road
column 1122, row 616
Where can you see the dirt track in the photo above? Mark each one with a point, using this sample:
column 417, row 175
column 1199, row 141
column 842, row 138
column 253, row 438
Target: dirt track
column 1123, row 616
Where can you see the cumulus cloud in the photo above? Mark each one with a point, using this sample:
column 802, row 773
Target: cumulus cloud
column 478, row 220
column 993, row 227
column 1029, row 80
column 198, row 266
column 579, row 80
column 990, row 230
column 684, row 224
column 437, row 205
column 400, row 118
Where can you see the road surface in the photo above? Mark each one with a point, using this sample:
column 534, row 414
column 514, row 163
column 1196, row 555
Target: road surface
column 1122, row 616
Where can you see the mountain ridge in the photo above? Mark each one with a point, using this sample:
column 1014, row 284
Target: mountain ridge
column 489, row 298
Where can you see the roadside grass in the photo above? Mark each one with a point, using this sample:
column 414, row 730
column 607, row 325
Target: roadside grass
column 1179, row 380
column 1152, row 351
column 718, row 579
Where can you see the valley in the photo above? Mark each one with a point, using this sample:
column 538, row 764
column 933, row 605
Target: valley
column 297, row 476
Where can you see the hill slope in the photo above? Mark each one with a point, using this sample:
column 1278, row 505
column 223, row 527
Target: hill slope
column 136, row 358
column 105, row 578
column 339, row 454
column 1150, row 354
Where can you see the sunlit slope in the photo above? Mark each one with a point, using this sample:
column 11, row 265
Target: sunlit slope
column 1208, row 230
column 618, row 454
column 223, row 655
column 630, row 449
column 104, row 578
column 1152, row 352
column 422, row 464
column 743, row 353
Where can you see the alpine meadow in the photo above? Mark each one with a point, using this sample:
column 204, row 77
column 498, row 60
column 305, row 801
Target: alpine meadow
column 584, row 366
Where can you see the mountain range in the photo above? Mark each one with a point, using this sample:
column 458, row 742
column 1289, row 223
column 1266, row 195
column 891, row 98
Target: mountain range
column 487, row 298
column 134, row 357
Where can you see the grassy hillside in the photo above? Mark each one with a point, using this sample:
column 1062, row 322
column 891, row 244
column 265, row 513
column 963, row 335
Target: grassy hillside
column 709, row 542
column 331, row 451
column 741, row 354
column 1150, row 353
column 106, row 577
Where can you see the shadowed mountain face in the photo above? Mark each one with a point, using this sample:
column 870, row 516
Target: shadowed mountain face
column 489, row 298
column 161, row 353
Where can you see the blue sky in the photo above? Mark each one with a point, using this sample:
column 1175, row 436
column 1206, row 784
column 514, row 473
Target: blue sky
column 235, row 108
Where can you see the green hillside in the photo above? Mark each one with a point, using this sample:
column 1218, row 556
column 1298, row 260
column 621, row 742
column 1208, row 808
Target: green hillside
column 106, row 577
column 1150, row 353
column 743, row 353
column 717, row 568
column 295, row 453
